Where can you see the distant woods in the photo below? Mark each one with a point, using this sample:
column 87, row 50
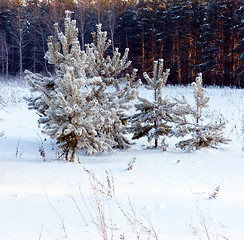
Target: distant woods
column 191, row 36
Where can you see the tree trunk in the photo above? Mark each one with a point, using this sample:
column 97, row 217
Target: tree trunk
column 192, row 55
column 111, row 26
column 178, row 53
column 34, row 54
column 3, row 68
column 6, row 49
column 161, row 56
column 235, row 55
column 72, row 158
column 20, row 56
column 143, row 50
column 222, row 53
column 153, row 42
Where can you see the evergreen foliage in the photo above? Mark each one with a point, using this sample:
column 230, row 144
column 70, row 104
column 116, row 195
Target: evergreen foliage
column 82, row 104
column 130, row 28
column 203, row 134
column 192, row 36
column 154, row 119
column 117, row 90
column 239, row 48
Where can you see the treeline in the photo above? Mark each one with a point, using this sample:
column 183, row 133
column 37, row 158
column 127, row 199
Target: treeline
column 191, row 36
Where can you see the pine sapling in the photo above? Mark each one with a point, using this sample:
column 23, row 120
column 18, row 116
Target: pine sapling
column 203, row 133
column 117, row 89
column 154, row 119
column 68, row 112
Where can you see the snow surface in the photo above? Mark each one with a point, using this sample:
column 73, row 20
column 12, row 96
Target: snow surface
column 40, row 199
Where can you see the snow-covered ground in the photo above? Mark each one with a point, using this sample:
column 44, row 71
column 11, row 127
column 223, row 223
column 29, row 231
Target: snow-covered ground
column 50, row 199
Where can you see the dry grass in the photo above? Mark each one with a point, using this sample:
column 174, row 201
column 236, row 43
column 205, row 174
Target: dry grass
column 103, row 203
column 99, row 207
column 205, row 229
column 12, row 91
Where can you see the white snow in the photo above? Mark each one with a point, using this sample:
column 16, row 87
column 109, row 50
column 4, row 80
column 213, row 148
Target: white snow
column 39, row 199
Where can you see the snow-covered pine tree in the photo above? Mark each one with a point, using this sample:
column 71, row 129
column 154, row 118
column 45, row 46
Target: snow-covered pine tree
column 67, row 111
column 155, row 118
column 117, row 90
column 203, row 133
column 74, row 119
column 65, row 52
column 83, row 104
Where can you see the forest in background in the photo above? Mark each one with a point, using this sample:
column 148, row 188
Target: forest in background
column 191, row 36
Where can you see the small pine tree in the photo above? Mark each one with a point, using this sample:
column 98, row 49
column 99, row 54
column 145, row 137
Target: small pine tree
column 202, row 134
column 117, row 90
column 65, row 106
column 154, row 118
column 76, row 107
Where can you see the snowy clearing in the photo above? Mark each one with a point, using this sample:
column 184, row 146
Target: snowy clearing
column 46, row 199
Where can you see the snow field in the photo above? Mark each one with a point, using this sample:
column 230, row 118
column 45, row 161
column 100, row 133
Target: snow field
column 37, row 197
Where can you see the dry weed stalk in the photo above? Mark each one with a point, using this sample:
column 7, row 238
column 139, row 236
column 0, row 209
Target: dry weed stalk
column 242, row 132
column 131, row 164
column 122, row 237
column 107, row 190
column 242, row 124
column 104, row 195
column 215, row 193
column 79, row 210
column 97, row 207
column 41, row 147
column 138, row 226
column 2, row 134
column 59, row 216
column 42, row 152
column 101, row 219
column 164, row 146
column 17, row 152
column 206, row 229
